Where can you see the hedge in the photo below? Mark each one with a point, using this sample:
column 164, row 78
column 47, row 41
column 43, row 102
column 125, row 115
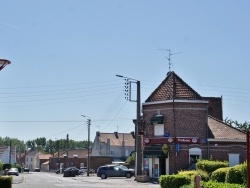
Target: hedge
column 210, row 166
column 204, row 175
column 237, row 174
column 219, row 175
column 213, row 184
column 5, row 181
column 174, row 181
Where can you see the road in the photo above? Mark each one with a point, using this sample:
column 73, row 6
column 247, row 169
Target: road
column 52, row 180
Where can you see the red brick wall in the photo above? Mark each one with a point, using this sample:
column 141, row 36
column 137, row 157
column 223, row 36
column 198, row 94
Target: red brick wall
column 190, row 119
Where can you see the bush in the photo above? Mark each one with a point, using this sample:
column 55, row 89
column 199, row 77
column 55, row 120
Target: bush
column 174, row 181
column 18, row 166
column 213, row 184
column 192, row 173
column 210, row 166
column 219, row 175
column 6, row 166
column 5, row 181
column 1, row 165
column 235, row 174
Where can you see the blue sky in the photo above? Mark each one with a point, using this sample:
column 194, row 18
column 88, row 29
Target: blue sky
column 65, row 55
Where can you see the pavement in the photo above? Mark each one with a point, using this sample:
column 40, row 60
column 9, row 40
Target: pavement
column 17, row 179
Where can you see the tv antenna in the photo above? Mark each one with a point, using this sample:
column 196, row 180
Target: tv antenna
column 169, row 57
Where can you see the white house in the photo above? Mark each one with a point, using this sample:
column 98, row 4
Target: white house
column 6, row 156
column 117, row 145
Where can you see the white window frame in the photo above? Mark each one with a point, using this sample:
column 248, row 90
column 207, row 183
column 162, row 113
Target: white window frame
column 158, row 129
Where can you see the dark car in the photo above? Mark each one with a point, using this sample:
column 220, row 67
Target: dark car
column 76, row 170
column 26, row 170
column 37, row 170
column 60, row 170
column 114, row 171
column 13, row 171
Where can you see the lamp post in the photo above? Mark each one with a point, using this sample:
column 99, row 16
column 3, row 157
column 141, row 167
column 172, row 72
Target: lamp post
column 88, row 159
column 3, row 63
column 138, row 149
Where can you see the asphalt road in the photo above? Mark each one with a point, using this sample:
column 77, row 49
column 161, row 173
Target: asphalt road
column 52, row 180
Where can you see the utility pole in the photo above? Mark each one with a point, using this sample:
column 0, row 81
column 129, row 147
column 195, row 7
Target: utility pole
column 67, row 150
column 138, row 140
column 10, row 152
column 58, row 163
column 88, row 158
column 89, row 123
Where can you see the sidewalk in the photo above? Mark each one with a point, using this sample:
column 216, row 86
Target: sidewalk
column 17, row 179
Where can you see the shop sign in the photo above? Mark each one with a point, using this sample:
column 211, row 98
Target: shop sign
column 169, row 140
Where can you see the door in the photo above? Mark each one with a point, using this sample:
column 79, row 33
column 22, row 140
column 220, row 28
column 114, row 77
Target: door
column 234, row 159
column 155, row 167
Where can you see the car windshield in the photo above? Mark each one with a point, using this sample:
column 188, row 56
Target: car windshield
column 123, row 167
column 13, row 169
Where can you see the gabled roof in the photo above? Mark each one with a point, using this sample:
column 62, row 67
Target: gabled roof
column 80, row 153
column 221, row 130
column 32, row 153
column 44, row 156
column 126, row 137
column 173, row 87
column 4, row 148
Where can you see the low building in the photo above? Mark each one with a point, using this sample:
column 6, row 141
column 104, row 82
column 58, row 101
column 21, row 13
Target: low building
column 34, row 159
column 116, row 145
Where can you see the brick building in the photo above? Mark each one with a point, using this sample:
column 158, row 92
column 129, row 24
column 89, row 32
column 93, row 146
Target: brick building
column 181, row 126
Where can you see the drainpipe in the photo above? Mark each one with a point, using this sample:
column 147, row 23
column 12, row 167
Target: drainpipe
column 208, row 152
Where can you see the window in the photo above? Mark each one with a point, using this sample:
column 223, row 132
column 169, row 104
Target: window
column 111, row 152
column 194, row 155
column 31, row 159
column 159, row 129
column 27, row 159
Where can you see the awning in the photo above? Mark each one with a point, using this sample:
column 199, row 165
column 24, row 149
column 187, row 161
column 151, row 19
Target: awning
column 158, row 119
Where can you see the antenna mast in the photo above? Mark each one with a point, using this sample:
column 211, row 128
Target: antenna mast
column 169, row 57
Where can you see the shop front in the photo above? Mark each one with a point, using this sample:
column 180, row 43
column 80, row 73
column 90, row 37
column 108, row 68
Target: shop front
column 156, row 160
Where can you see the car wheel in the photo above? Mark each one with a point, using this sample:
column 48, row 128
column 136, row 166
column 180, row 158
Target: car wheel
column 103, row 176
column 128, row 175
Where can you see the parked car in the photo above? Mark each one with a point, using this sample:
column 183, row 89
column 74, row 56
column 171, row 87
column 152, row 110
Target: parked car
column 13, row 171
column 77, row 171
column 83, row 169
column 26, row 170
column 114, row 171
column 37, row 170
column 60, row 170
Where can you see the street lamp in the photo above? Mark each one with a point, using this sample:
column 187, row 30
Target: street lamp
column 138, row 149
column 3, row 63
column 88, row 159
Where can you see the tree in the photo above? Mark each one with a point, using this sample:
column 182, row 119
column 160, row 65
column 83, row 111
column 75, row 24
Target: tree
column 241, row 126
column 131, row 159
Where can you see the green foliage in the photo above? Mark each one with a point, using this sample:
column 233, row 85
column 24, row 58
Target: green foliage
column 18, row 166
column 214, row 184
column 6, row 166
column 219, row 175
column 192, row 173
column 235, row 174
column 131, row 160
column 174, row 181
column 210, row 166
column 5, row 181
column 241, row 126
column 1, row 165
column 42, row 145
